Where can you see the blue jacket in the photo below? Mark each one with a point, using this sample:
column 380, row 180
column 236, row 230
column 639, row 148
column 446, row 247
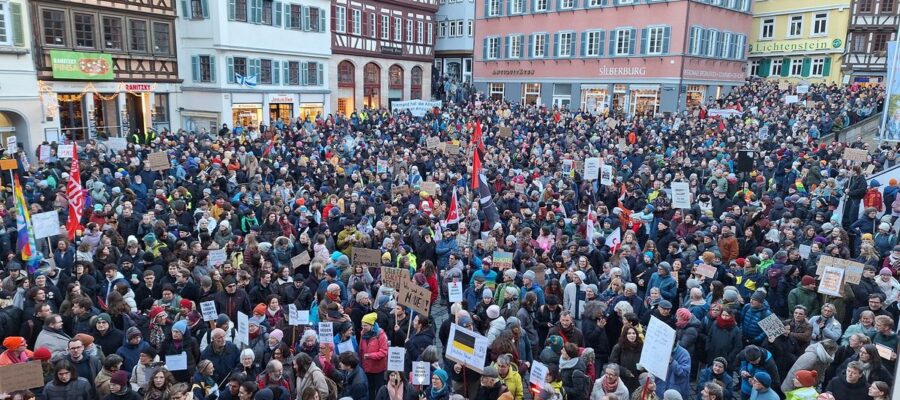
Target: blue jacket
column 668, row 288
column 706, row 375
column 223, row 362
column 679, row 374
column 356, row 385
column 767, row 365
column 538, row 291
column 750, row 318
column 131, row 354
column 443, row 249
column 490, row 276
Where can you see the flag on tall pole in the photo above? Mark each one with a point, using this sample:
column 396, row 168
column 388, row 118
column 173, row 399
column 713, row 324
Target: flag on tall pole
column 25, row 242
column 452, row 213
column 476, row 169
column 478, row 137
column 75, row 194
column 614, row 240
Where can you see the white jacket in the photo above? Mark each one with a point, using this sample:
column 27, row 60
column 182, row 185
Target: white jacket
column 497, row 326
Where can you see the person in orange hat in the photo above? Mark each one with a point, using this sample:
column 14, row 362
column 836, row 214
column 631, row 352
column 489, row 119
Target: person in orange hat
column 16, row 351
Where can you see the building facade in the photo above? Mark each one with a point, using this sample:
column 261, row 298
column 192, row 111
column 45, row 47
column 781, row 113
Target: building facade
column 105, row 67
column 799, row 40
column 253, row 62
column 21, row 111
column 455, row 40
column 624, row 56
column 873, row 23
column 383, row 52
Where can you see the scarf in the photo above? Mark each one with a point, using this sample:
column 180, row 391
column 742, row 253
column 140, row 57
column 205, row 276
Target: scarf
column 609, row 387
column 723, row 323
column 395, row 393
column 372, row 333
column 567, row 364
column 333, row 297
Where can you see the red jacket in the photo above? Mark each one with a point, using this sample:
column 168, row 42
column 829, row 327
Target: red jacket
column 374, row 353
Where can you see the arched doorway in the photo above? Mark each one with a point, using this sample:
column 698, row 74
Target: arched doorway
column 346, row 87
column 416, row 83
column 395, row 83
column 13, row 124
column 372, row 85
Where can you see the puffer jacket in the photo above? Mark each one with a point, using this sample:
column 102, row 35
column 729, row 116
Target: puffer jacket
column 767, row 364
column 750, row 318
column 690, row 336
column 496, row 326
column 814, row 358
column 723, row 342
column 79, row 389
column 374, row 351
column 575, row 381
column 513, row 382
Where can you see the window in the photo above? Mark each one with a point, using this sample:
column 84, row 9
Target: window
column 880, row 40
column 767, row 29
column 720, row 45
column 865, row 6
column 160, row 108
column 161, row 35
column 514, row 46
column 54, row 27
column 240, row 66
column 564, row 46
column 818, row 67
column 696, row 41
column 197, row 11
column 420, row 31
column 745, row 5
column 495, row 90
column 540, row 5
column 415, row 79
column 623, row 42
column 442, row 29
column 795, row 26
column 566, row 4
column 655, row 38
column 357, row 22
column 313, row 15
column 398, row 29
column 455, row 28
column 240, row 10
column 206, row 68
column 84, row 30
column 820, row 24
column 430, row 33
column 711, row 43
column 293, row 73
column 592, row 44
column 265, row 72
column 858, row 42
column 471, row 28
column 493, row 8
column 372, row 25
column 796, row 66
column 385, row 27
column 409, row 31
column 531, row 93
column 112, row 33
column 624, row 2
column 267, row 12
column 312, row 74
column 754, row 68
column 138, row 30
column 540, row 45
column 296, row 17
column 595, row 3
column 776, row 67
column 395, row 77
column 493, row 48
column 340, row 19
column 517, row 6
column 887, row 6
column 5, row 22
column 346, row 74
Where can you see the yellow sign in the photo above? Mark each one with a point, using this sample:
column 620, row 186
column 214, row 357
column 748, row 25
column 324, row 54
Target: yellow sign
column 789, row 46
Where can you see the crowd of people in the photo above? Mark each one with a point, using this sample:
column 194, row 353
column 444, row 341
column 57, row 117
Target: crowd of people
column 115, row 312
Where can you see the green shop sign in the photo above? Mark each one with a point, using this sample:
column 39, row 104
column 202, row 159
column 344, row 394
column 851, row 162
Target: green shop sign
column 77, row 65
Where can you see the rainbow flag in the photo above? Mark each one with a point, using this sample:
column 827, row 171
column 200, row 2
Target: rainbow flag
column 25, row 242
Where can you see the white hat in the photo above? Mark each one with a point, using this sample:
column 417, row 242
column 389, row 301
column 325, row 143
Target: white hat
column 493, row 312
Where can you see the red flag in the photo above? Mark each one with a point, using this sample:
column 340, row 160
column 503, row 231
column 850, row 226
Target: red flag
column 476, row 169
column 76, row 196
column 452, row 213
column 477, row 137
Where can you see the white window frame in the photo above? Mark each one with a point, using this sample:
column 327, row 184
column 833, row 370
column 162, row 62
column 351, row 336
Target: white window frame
column 745, row 5
column 340, row 18
column 816, row 20
column 619, row 51
column 452, row 30
column 796, row 64
column 6, row 24
column 595, row 3
column 817, row 64
column 409, row 31
column 471, row 27
column 430, row 33
column 566, row 4
column 767, row 23
column 792, row 20
column 493, row 50
column 592, row 45
column 776, row 67
column 660, row 32
column 442, row 29
column 373, row 26
column 711, row 48
column 697, row 42
column 515, row 46
column 566, row 41
column 398, row 29
column 624, row 2
column 385, row 27
column 541, row 5
column 493, row 8
column 420, row 32
column 495, row 88
column 356, row 21
column 536, row 50
column 517, row 7
column 754, row 68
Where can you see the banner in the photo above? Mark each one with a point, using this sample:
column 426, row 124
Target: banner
column 890, row 118
column 78, row 65
column 45, row 224
column 418, row 108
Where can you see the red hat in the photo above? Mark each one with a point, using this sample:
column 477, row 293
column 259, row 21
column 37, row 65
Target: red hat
column 185, row 303
column 740, row 261
column 807, row 280
column 14, row 342
column 807, row 378
column 85, row 339
column 119, row 378
column 260, row 309
column 156, row 310
column 42, row 354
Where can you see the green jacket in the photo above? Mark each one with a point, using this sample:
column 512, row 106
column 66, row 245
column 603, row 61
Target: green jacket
column 805, row 297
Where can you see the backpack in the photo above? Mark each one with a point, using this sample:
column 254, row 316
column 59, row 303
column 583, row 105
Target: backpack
column 333, row 389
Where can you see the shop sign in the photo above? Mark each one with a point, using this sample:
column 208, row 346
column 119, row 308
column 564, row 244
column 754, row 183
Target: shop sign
column 138, row 87
column 699, row 73
column 622, row 71
column 513, row 72
column 788, row 46
column 78, row 65
column 391, row 50
column 281, row 98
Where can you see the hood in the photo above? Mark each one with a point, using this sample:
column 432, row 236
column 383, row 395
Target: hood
column 820, row 352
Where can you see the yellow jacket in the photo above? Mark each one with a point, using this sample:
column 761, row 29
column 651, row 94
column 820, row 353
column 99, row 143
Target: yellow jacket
column 513, row 381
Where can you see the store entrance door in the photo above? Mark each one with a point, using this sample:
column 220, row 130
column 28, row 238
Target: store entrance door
column 134, row 106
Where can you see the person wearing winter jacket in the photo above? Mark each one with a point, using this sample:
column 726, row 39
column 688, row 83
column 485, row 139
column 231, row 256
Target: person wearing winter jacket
column 609, row 383
column 309, row 375
column 751, row 314
column 496, row 322
column 850, row 385
column 762, row 387
column 717, row 372
column 509, row 376
column 679, row 373
column 355, row 383
column 724, row 339
column 119, row 389
column 399, row 387
column 373, row 348
column 752, row 360
column 421, row 339
column 663, row 280
column 572, row 371
column 66, row 384
column 825, row 325
column 688, row 334
column 130, row 351
column 816, row 358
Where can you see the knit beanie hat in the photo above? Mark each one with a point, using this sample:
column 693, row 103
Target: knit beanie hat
column 807, row 378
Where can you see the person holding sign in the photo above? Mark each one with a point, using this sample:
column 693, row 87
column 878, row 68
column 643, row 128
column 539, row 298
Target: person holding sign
column 373, row 349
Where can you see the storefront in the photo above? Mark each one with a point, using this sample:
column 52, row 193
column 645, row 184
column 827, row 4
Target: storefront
column 646, row 99
column 595, row 99
column 281, row 108
column 456, row 68
column 247, row 114
column 696, row 94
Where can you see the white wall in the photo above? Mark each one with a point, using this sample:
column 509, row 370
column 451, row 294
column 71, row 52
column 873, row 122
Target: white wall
column 464, row 10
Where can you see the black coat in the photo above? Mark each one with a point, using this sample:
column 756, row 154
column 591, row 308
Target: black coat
column 841, row 389
column 409, row 393
column 416, row 345
column 110, row 342
column 356, row 385
column 575, row 382
column 723, row 343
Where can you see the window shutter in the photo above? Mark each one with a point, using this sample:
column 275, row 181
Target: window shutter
column 546, row 44
column 530, row 46
column 304, row 18
column 633, row 40
column 18, row 27
column 521, row 46
column 205, row 5
column 231, row 10
column 826, row 67
column 556, row 44
column 257, row 11
column 212, row 68
column 484, row 49
column 508, row 48
column 186, row 12
column 601, row 42
column 195, row 68
column 320, row 74
column 807, row 64
column 612, row 42
column 279, row 13
column 276, row 72
column 558, row 4
column 645, row 40
column 584, row 36
column 229, row 69
column 322, row 20
column 286, row 72
column 509, row 7
column 487, row 8
column 765, row 65
column 304, row 75
column 526, row 6
column 667, row 35
column 785, row 66
column 693, row 34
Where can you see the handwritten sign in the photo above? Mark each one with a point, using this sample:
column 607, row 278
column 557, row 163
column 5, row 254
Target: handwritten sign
column 11, row 146
column 591, row 168
column 216, row 257
column 396, row 358
column 381, row 167
column 538, row 375
column 707, row 271
column 884, row 351
column 657, row 351
column 176, row 362
column 852, row 270
column 421, row 371
column 804, row 250
column 45, row 224
column 158, row 161
column 363, row 256
column 606, row 175
column 831, row 281
column 208, row 309
column 772, row 326
column 859, row 155
column 505, row 132
column 467, row 347
column 401, row 190
column 414, row 297
column 454, row 292
column 21, row 376
column 432, row 142
column 430, row 188
column 292, row 315
column 44, row 152
column 243, row 329
column 681, row 195
column 326, row 332
column 451, row 149
column 395, row 278
column 300, row 259
column 502, row 259
column 117, row 144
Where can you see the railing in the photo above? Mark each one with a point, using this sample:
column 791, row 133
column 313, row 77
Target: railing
column 864, row 128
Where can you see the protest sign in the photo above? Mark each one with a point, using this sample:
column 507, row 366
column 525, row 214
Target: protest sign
column 292, row 315
column 345, row 346
column 451, row 149
column 44, row 152
column 802, row 89
column 381, row 167
column 831, row 281
column 783, row 86
column 502, row 259
column 852, row 270
column 45, row 224
column 859, row 155
column 884, row 351
column 421, row 371
column 772, row 326
column 326, row 332
column 606, row 175
column 65, row 151
column 216, row 257
column 538, row 375
column 208, row 309
column 707, row 271
column 117, row 144
column 804, row 250
column 505, row 132
column 869, row 170
column 302, row 317
column 243, row 329
column 622, row 144
column 429, row 187
column 11, row 146
column 414, row 296
column 454, row 291
column 396, row 358
column 432, row 142
column 394, row 277
column 176, row 362
column 681, row 195
column 418, row 108
column 591, row 168
column 401, row 190
column 467, row 347
column 21, row 376
column 300, row 259
column 158, row 161
column 367, row 257
column 791, row 99
column 658, row 343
